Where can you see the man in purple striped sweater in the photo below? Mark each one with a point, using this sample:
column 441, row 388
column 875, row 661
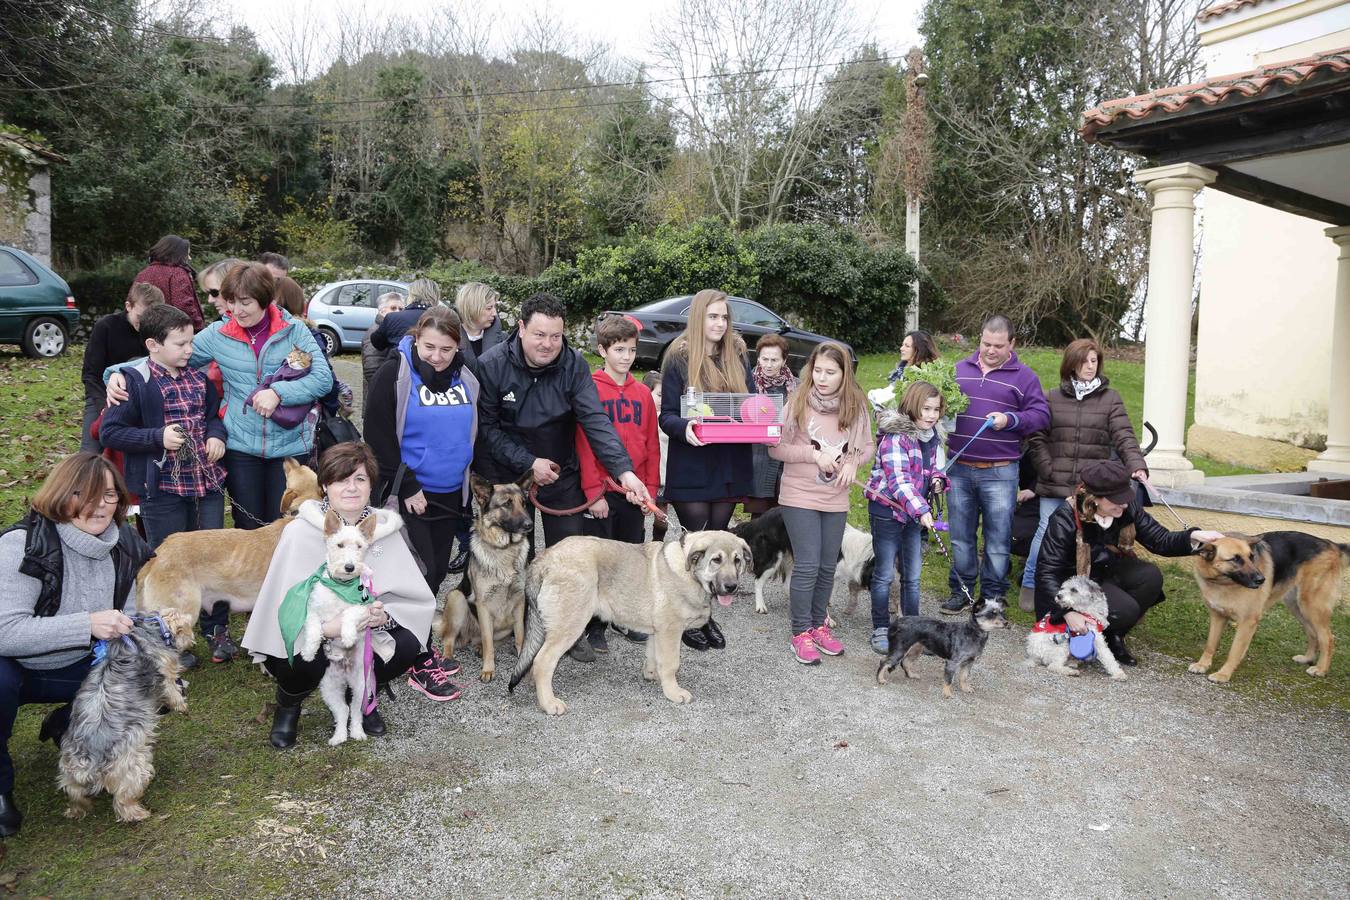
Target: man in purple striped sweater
column 984, row 478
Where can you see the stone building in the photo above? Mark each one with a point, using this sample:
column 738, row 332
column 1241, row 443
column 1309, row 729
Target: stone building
column 26, row 194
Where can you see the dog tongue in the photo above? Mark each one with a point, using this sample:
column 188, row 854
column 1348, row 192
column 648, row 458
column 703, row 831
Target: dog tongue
column 724, row 599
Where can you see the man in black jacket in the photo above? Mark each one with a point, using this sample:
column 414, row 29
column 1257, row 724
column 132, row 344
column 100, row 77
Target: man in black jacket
column 113, row 340
column 535, row 391
column 1100, row 510
column 422, row 295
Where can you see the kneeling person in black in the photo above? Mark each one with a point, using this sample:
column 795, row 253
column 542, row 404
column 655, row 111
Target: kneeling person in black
column 1104, row 516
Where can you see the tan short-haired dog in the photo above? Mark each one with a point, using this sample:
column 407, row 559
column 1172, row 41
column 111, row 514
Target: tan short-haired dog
column 659, row 589
column 1241, row 577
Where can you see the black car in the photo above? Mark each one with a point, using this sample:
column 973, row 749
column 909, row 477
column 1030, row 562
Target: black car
column 664, row 320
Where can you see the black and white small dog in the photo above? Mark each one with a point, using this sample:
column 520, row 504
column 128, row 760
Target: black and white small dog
column 960, row 643
column 771, row 550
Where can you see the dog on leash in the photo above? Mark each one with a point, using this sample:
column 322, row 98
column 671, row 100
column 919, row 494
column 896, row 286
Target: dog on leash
column 110, row 743
column 496, row 574
column 658, row 589
column 771, row 548
column 959, row 643
column 1242, row 577
column 346, row 672
column 192, row 570
column 1048, row 645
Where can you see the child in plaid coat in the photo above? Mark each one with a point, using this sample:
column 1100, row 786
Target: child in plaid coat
column 909, row 442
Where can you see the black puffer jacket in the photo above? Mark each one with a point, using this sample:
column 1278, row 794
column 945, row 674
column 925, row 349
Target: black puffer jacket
column 1081, row 431
column 42, row 560
column 526, row 413
column 1058, row 560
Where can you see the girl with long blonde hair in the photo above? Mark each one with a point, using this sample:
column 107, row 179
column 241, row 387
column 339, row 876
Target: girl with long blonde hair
column 827, row 437
column 704, row 482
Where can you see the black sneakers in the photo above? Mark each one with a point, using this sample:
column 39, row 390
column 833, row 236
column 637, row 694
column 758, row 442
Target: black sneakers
column 954, row 606
column 223, row 649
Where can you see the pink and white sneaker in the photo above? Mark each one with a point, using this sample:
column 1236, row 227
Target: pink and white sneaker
column 825, row 641
column 804, row 649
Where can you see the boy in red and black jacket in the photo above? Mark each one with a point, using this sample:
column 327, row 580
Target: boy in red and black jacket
column 631, row 409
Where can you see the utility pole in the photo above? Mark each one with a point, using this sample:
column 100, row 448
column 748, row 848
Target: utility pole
column 916, row 133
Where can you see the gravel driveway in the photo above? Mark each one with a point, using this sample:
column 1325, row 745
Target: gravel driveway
column 783, row 780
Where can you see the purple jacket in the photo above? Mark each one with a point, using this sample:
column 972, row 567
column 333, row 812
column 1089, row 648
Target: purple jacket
column 1012, row 389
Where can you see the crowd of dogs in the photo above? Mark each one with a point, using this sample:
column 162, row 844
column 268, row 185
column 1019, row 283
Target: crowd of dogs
column 658, row 588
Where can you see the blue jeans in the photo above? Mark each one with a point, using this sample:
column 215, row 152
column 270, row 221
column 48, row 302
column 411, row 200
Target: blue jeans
column 255, row 485
column 1047, row 509
column 18, row 686
column 165, row 514
column 894, row 541
column 981, row 497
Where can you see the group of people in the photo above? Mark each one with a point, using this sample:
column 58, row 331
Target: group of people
column 198, row 412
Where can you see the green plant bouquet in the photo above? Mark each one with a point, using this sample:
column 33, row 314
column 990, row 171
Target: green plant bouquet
column 940, row 373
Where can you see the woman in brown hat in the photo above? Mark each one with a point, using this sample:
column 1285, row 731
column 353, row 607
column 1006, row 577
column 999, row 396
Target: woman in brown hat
column 1093, row 533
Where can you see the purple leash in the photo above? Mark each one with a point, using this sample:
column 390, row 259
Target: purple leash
column 368, row 702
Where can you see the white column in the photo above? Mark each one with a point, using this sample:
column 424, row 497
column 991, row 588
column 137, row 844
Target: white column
column 1167, row 315
column 1336, row 459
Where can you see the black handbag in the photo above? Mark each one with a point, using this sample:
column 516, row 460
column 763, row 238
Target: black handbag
column 333, row 429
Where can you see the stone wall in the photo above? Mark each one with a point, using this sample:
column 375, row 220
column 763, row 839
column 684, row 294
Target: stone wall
column 26, row 206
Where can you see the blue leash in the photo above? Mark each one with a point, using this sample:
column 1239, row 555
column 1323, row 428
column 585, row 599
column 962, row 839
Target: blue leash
column 101, row 646
column 989, row 420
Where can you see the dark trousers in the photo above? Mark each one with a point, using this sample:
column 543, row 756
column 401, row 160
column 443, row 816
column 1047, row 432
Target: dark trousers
column 255, row 485
column 19, row 686
column 1132, row 587
column 93, row 405
column 556, row 528
column 433, row 533
column 165, row 514
column 302, row 676
column 625, row 521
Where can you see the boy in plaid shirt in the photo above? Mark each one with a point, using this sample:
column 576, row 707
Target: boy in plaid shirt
column 170, row 431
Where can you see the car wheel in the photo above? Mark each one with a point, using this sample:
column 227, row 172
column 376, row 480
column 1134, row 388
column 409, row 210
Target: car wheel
column 331, row 345
column 44, row 338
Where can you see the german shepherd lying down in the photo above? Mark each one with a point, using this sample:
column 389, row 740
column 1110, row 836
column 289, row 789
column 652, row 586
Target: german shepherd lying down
column 658, row 589
column 191, row 570
column 1241, row 577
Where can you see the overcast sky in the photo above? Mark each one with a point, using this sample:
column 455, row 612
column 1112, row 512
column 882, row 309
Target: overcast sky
column 625, row 25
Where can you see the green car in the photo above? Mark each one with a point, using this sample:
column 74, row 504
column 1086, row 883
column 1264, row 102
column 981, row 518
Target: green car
column 37, row 311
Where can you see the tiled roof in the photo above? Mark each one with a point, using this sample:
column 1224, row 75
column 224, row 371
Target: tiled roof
column 1218, row 9
column 1214, row 90
column 28, row 149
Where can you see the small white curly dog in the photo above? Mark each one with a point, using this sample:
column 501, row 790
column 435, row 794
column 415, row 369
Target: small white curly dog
column 1050, row 648
column 346, row 546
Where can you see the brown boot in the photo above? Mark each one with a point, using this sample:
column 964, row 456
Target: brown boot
column 1026, row 601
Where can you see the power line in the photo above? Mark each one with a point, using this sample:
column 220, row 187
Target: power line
column 517, row 92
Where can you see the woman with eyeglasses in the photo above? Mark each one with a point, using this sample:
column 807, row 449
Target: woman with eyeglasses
column 69, row 567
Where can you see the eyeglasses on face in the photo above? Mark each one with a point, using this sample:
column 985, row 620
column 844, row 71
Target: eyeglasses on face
column 213, row 293
column 109, row 496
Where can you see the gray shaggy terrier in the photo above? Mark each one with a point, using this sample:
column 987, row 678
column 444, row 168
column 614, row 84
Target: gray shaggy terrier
column 110, row 743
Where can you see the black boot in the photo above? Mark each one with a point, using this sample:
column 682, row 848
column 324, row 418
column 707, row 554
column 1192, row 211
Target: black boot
column 1116, row 644
column 10, row 817
column 713, row 633
column 286, row 722
column 695, row 639
column 54, row 725
column 373, row 722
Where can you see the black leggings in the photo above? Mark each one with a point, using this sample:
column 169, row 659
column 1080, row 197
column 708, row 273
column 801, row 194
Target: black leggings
column 302, row 676
column 704, row 515
column 433, row 532
column 1132, row 587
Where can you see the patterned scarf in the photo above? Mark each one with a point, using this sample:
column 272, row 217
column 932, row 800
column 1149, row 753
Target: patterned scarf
column 784, row 379
column 295, row 607
column 1082, row 388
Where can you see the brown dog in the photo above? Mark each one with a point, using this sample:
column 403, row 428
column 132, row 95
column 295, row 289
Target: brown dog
column 191, row 570
column 1242, row 577
column 496, row 574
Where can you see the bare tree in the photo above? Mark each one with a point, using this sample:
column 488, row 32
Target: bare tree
column 750, row 74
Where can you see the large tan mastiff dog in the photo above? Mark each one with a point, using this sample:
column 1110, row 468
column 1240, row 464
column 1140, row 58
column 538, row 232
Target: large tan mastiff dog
column 660, row 589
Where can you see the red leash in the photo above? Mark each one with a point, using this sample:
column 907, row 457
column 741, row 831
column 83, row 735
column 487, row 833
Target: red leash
column 608, row 486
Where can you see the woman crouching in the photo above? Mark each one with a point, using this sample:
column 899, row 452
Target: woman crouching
column 69, row 567
column 400, row 617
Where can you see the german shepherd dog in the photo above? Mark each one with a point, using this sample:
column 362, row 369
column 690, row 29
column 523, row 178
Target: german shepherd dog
column 496, row 574
column 1242, row 577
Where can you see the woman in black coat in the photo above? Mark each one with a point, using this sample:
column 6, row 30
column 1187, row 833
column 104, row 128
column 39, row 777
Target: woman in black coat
column 1093, row 534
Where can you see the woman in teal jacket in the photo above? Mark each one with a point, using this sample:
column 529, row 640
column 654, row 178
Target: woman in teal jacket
column 253, row 343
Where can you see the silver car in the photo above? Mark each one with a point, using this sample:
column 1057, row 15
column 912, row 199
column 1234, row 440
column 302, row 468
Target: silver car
column 344, row 310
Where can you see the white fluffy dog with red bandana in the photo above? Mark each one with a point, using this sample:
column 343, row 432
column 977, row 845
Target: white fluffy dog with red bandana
column 1048, row 645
